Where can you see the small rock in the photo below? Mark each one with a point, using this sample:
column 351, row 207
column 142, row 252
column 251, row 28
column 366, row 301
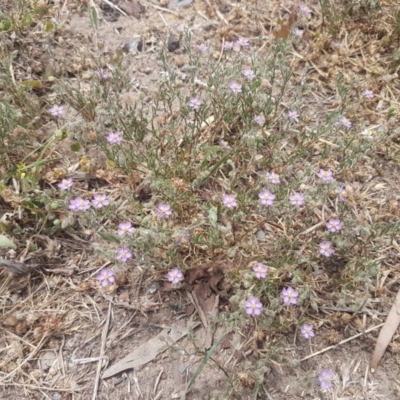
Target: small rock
column 130, row 45
column 260, row 235
column 179, row 3
column 132, row 8
column 153, row 288
column 173, row 43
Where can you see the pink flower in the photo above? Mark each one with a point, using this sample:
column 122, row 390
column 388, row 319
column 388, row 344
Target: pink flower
column 369, row 94
column 344, row 122
column 298, row 32
column 164, row 211
column 297, row 199
column 326, row 249
column 228, row 45
column 56, row 110
column 123, row 254
column 125, row 228
column 229, row 201
column 202, row 48
column 293, row 115
column 307, row 331
column 235, row 87
column 289, row 295
column 65, row 184
column 175, row 276
column 325, row 379
column 260, row 271
column 334, row 225
column 253, row 306
column 243, row 42
column 249, row 74
column 79, row 204
column 273, row 177
column 266, row 198
column 304, row 10
column 342, row 193
column 195, row 103
column 325, row 176
column 102, row 74
column 100, row 201
column 259, row 119
column 225, row 145
column 106, row 277
column 182, row 239
column 114, row 137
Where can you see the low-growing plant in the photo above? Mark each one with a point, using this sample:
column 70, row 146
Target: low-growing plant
column 223, row 160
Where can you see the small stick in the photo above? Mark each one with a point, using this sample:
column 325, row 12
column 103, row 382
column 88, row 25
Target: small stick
column 342, row 342
column 102, row 350
column 116, row 7
column 158, row 381
column 160, row 8
column 386, row 334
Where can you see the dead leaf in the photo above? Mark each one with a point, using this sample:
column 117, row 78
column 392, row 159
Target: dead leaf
column 149, row 350
column 205, row 296
column 226, row 342
column 214, row 280
column 195, row 274
column 293, row 16
column 283, row 32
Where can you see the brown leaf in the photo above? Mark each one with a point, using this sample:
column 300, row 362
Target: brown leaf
column 292, row 17
column 283, row 32
column 196, row 274
column 213, row 281
column 205, row 296
column 226, row 342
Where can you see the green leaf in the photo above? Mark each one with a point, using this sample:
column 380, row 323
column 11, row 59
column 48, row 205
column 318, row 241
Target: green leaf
column 213, row 216
column 33, row 84
column 231, row 253
column 75, row 147
column 109, row 237
column 6, row 242
column 94, row 18
column 48, row 26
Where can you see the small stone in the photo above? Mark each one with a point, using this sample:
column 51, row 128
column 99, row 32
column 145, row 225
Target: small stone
column 260, row 235
column 132, row 8
column 130, row 45
column 173, row 43
column 179, row 3
column 153, row 288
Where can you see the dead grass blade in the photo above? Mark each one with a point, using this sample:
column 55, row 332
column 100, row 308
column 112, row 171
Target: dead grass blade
column 386, row 333
column 102, row 350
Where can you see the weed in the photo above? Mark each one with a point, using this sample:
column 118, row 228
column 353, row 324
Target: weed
column 224, row 159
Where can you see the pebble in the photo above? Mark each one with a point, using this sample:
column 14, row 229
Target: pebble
column 179, row 3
